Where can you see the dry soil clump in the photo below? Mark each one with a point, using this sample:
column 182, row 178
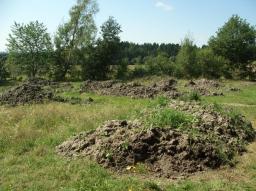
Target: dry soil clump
column 134, row 90
column 205, row 87
column 210, row 141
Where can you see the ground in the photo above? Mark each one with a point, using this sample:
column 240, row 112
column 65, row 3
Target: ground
column 30, row 133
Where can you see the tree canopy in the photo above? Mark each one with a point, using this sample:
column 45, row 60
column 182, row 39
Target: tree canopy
column 186, row 63
column 105, row 53
column 236, row 41
column 76, row 34
column 29, row 46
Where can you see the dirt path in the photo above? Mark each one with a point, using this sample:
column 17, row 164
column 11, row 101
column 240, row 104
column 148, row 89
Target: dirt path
column 239, row 105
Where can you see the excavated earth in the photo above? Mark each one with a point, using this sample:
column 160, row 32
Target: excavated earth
column 32, row 91
column 211, row 141
column 39, row 91
column 206, row 87
column 134, row 90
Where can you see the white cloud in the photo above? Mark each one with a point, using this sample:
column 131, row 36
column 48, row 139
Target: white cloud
column 164, row 5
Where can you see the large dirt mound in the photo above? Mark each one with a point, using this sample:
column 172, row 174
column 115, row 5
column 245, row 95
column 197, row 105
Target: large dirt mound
column 206, row 87
column 40, row 91
column 29, row 92
column 211, row 141
column 134, row 90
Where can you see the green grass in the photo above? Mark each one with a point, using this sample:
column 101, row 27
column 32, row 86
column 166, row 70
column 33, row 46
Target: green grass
column 166, row 117
column 246, row 96
column 30, row 133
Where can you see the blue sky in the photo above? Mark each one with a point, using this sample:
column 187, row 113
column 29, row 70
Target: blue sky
column 141, row 20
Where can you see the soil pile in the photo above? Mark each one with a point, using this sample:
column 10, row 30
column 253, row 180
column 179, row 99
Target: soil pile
column 134, row 90
column 211, row 141
column 30, row 92
column 39, row 91
column 205, row 87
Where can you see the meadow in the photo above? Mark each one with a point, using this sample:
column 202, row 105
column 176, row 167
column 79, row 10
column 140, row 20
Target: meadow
column 30, row 133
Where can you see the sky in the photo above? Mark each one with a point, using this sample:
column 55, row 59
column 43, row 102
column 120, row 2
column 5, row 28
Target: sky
column 161, row 21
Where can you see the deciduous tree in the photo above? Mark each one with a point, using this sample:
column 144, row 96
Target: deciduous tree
column 29, row 47
column 74, row 36
column 236, row 41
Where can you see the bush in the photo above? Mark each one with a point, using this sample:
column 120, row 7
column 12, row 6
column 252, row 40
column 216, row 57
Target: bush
column 186, row 64
column 139, row 71
column 212, row 66
column 159, row 65
column 122, row 69
column 3, row 72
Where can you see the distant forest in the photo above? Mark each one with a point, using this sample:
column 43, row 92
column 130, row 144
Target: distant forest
column 76, row 52
column 137, row 53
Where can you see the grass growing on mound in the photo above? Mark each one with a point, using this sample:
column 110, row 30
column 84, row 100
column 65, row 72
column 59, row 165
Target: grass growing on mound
column 158, row 114
column 165, row 117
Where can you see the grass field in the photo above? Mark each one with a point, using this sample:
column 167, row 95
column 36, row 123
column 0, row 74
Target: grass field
column 29, row 135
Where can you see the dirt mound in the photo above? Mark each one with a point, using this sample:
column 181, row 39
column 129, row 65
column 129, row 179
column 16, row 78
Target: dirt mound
column 39, row 91
column 30, row 92
column 209, row 142
column 134, row 90
column 205, row 87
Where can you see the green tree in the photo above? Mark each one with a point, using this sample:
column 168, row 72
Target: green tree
column 3, row 71
column 105, row 53
column 212, row 66
column 186, row 64
column 122, row 69
column 159, row 65
column 74, row 36
column 29, row 48
column 236, row 41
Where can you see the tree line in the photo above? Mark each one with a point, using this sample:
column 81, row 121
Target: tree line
column 76, row 52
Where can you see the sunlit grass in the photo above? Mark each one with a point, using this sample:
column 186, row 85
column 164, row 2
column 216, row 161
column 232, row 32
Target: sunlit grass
column 29, row 134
